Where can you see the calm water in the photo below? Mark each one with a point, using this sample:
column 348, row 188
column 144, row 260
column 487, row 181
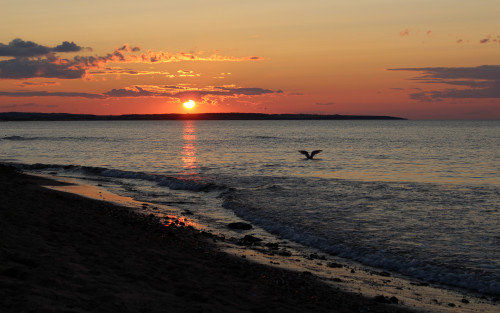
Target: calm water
column 418, row 197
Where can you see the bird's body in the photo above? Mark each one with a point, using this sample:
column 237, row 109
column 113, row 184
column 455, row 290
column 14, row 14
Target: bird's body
column 310, row 156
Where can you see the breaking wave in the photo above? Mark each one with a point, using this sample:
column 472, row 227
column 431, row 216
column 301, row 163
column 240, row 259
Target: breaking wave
column 422, row 269
column 174, row 183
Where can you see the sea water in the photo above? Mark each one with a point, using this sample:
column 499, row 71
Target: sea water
column 421, row 198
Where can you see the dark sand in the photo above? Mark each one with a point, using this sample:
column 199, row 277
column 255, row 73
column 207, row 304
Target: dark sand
column 63, row 253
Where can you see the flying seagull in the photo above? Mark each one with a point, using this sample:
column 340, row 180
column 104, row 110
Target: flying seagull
column 309, row 157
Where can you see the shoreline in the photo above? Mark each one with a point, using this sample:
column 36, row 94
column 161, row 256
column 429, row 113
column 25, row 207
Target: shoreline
column 346, row 274
column 66, row 253
column 343, row 290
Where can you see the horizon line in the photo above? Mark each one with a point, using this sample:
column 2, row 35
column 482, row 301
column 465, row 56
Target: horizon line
column 199, row 116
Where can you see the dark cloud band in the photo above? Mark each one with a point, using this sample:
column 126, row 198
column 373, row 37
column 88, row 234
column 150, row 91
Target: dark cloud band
column 51, row 94
column 19, row 48
column 141, row 92
column 479, row 82
column 217, row 91
column 21, row 68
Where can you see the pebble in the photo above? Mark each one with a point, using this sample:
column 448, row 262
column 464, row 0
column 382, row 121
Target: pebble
column 250, row 238
column 334, row 265
column 240, row 225
column 284, row 253
column 385, row 299
column 273, row 246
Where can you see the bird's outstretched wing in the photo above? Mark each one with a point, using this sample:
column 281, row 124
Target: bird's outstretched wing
column 315, row 152
column 304, row 152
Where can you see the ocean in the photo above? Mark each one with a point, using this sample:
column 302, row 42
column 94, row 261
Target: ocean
column 420, row 198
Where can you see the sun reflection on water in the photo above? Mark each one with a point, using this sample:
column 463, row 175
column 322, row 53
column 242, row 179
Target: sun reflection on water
column 189, row 148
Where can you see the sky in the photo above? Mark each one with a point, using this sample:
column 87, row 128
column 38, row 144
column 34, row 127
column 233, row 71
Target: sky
column 423, row 59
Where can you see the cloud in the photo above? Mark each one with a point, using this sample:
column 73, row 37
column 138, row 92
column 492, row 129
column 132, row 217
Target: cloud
column 175, row 92
column 126, row 71
column 488, row 72
column 26, row 84
column 67, row 46
column 22, row 68
column 405, row 32
column 414, row 33
column 187, row 73
column 27, row 59
column 166, row 91
column 216, row 94
column 50, row 94
column 27, row 105
column 9, row 106
column 480, row 82
column 247, row 91
column 482, row 41
column 457, row 94
column 485, row 40
column 19, row 48
column 33, row 60
column 135, row 92
column 126, row 54
column 489, row 39
column 174, row 87
column 117, row 71
column 325, row 103
column 222, row 75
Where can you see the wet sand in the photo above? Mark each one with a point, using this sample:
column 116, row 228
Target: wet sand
column 266, row 249
column 64, row 253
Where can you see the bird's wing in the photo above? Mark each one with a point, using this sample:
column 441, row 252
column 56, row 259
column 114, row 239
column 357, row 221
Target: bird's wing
column 315, row 152
column 304, row 152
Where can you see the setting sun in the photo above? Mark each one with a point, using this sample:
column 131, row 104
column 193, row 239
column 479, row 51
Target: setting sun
column 189, row 104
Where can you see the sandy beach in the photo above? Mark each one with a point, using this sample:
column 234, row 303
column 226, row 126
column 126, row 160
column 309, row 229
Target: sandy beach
column 65, row 253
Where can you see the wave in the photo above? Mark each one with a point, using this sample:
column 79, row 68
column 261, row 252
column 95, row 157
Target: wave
column 263, row 137
column 421, row 269
column 19, row 138
column 174, row 183
column 64, row 138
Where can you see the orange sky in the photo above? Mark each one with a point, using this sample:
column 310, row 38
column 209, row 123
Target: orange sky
column 421, row 60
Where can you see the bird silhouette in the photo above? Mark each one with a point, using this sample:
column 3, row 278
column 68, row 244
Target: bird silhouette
column 310, row 156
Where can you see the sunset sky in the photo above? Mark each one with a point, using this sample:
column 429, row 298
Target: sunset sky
column 423, row 59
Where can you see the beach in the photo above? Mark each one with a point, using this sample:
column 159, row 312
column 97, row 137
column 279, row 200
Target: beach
column 64, row 253
column 257, row 156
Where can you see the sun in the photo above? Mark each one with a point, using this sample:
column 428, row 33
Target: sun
column 189, row 104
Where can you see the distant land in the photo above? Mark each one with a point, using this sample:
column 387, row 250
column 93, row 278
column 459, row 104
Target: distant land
column 22, row 116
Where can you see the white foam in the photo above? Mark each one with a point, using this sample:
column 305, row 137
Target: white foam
column 175, row 183
column 419, row 269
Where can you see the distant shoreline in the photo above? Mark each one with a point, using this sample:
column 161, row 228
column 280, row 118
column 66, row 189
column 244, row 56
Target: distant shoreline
column 21, row 116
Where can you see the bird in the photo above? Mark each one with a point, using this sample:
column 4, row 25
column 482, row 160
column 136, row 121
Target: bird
column 310, row 156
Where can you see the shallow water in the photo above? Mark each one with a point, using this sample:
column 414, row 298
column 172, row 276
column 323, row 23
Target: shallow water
column 417, row 197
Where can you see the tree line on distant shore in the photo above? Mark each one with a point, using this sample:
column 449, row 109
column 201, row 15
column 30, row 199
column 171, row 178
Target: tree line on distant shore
column 22, row 116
